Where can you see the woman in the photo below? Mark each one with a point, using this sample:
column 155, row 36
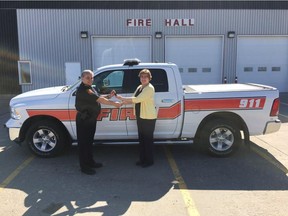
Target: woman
column 146, row 115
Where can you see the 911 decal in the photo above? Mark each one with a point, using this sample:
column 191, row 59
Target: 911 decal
column 251, row 103
column 224, row 104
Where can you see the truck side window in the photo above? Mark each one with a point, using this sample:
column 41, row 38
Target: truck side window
column 109, row 80
column 159, row 80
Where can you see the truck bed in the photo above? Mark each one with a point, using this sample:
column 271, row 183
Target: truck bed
column 235, row 87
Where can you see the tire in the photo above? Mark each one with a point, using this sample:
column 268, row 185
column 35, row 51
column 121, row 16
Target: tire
column 221, row 137
column 46, row 139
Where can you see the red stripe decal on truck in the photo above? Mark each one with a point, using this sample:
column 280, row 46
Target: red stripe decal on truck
column 61, row 114
column 171, row 112
column 113, row 114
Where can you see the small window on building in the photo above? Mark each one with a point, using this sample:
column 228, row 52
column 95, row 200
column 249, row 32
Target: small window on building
column 181, row 70
column 276, row 69
column 248, row 69
column 262, row 69
column 24, row 71
column 192, row 70
column 206, row 70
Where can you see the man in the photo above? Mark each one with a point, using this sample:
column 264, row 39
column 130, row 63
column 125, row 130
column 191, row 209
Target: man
column 88, row 108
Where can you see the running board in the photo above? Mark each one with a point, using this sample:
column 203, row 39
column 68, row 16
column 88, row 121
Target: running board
column 167, row 142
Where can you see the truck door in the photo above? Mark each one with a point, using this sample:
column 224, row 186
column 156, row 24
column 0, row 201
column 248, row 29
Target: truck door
column 167, row 103
column 108, row 124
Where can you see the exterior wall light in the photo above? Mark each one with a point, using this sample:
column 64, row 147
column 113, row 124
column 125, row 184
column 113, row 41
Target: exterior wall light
column 84, row 34
column 231, row 34
column 158, row 35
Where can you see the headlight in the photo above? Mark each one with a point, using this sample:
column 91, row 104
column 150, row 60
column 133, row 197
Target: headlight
column 14, row 114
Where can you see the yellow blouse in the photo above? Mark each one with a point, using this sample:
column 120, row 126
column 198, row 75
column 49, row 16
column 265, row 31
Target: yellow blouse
column 146, row 98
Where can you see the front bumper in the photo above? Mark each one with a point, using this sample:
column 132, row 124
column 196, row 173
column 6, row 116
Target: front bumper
column 272, row 126
column 14, row 132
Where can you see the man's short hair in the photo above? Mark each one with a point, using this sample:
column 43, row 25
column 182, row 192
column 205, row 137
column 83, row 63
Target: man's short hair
column 85, row 72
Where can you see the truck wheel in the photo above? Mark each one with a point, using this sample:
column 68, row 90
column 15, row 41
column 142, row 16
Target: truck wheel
column 221, row 137
column 46, row 139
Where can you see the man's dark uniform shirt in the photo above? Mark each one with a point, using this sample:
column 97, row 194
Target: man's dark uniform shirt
column 86, row 101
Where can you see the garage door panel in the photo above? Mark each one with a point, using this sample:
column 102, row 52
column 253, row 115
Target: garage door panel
column 198, row 58
column 263, row 59
column 113, row 50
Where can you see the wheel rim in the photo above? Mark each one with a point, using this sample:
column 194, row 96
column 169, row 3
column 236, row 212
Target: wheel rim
column 44, row 140
column 221, row 139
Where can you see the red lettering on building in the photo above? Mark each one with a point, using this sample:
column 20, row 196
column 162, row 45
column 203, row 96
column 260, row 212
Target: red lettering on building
column 139, row 22
column 183, row 22
column 179, row 22
column 168, row 22
column 176, row 22
column 128, row 22
column 191, row 22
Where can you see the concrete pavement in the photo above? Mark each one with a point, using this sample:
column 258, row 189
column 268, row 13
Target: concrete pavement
column 274, row 147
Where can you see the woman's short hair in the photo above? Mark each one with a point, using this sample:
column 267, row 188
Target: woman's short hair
column 146, row 72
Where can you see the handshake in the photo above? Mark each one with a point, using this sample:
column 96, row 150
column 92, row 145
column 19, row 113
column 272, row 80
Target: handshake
column 119, row 97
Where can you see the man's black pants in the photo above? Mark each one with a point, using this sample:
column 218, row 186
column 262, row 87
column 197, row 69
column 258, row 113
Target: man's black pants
column 85, row 135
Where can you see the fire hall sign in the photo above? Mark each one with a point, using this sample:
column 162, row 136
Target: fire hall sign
column 167, row 22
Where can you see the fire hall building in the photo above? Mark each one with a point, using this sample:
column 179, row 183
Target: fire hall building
column 49, row 43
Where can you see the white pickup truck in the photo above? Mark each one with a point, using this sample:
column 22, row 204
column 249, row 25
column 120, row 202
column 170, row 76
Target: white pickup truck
column 217, row 116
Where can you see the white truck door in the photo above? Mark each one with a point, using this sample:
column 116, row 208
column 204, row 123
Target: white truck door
column 108, row 125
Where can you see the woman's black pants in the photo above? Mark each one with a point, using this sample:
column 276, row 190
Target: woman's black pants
column 146, row 129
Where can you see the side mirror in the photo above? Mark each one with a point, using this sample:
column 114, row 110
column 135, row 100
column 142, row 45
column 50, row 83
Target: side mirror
column 106, row 82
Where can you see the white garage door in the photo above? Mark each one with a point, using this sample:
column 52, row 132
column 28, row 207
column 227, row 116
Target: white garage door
column 263, row 59
column 198, row 58
column 113, row 50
